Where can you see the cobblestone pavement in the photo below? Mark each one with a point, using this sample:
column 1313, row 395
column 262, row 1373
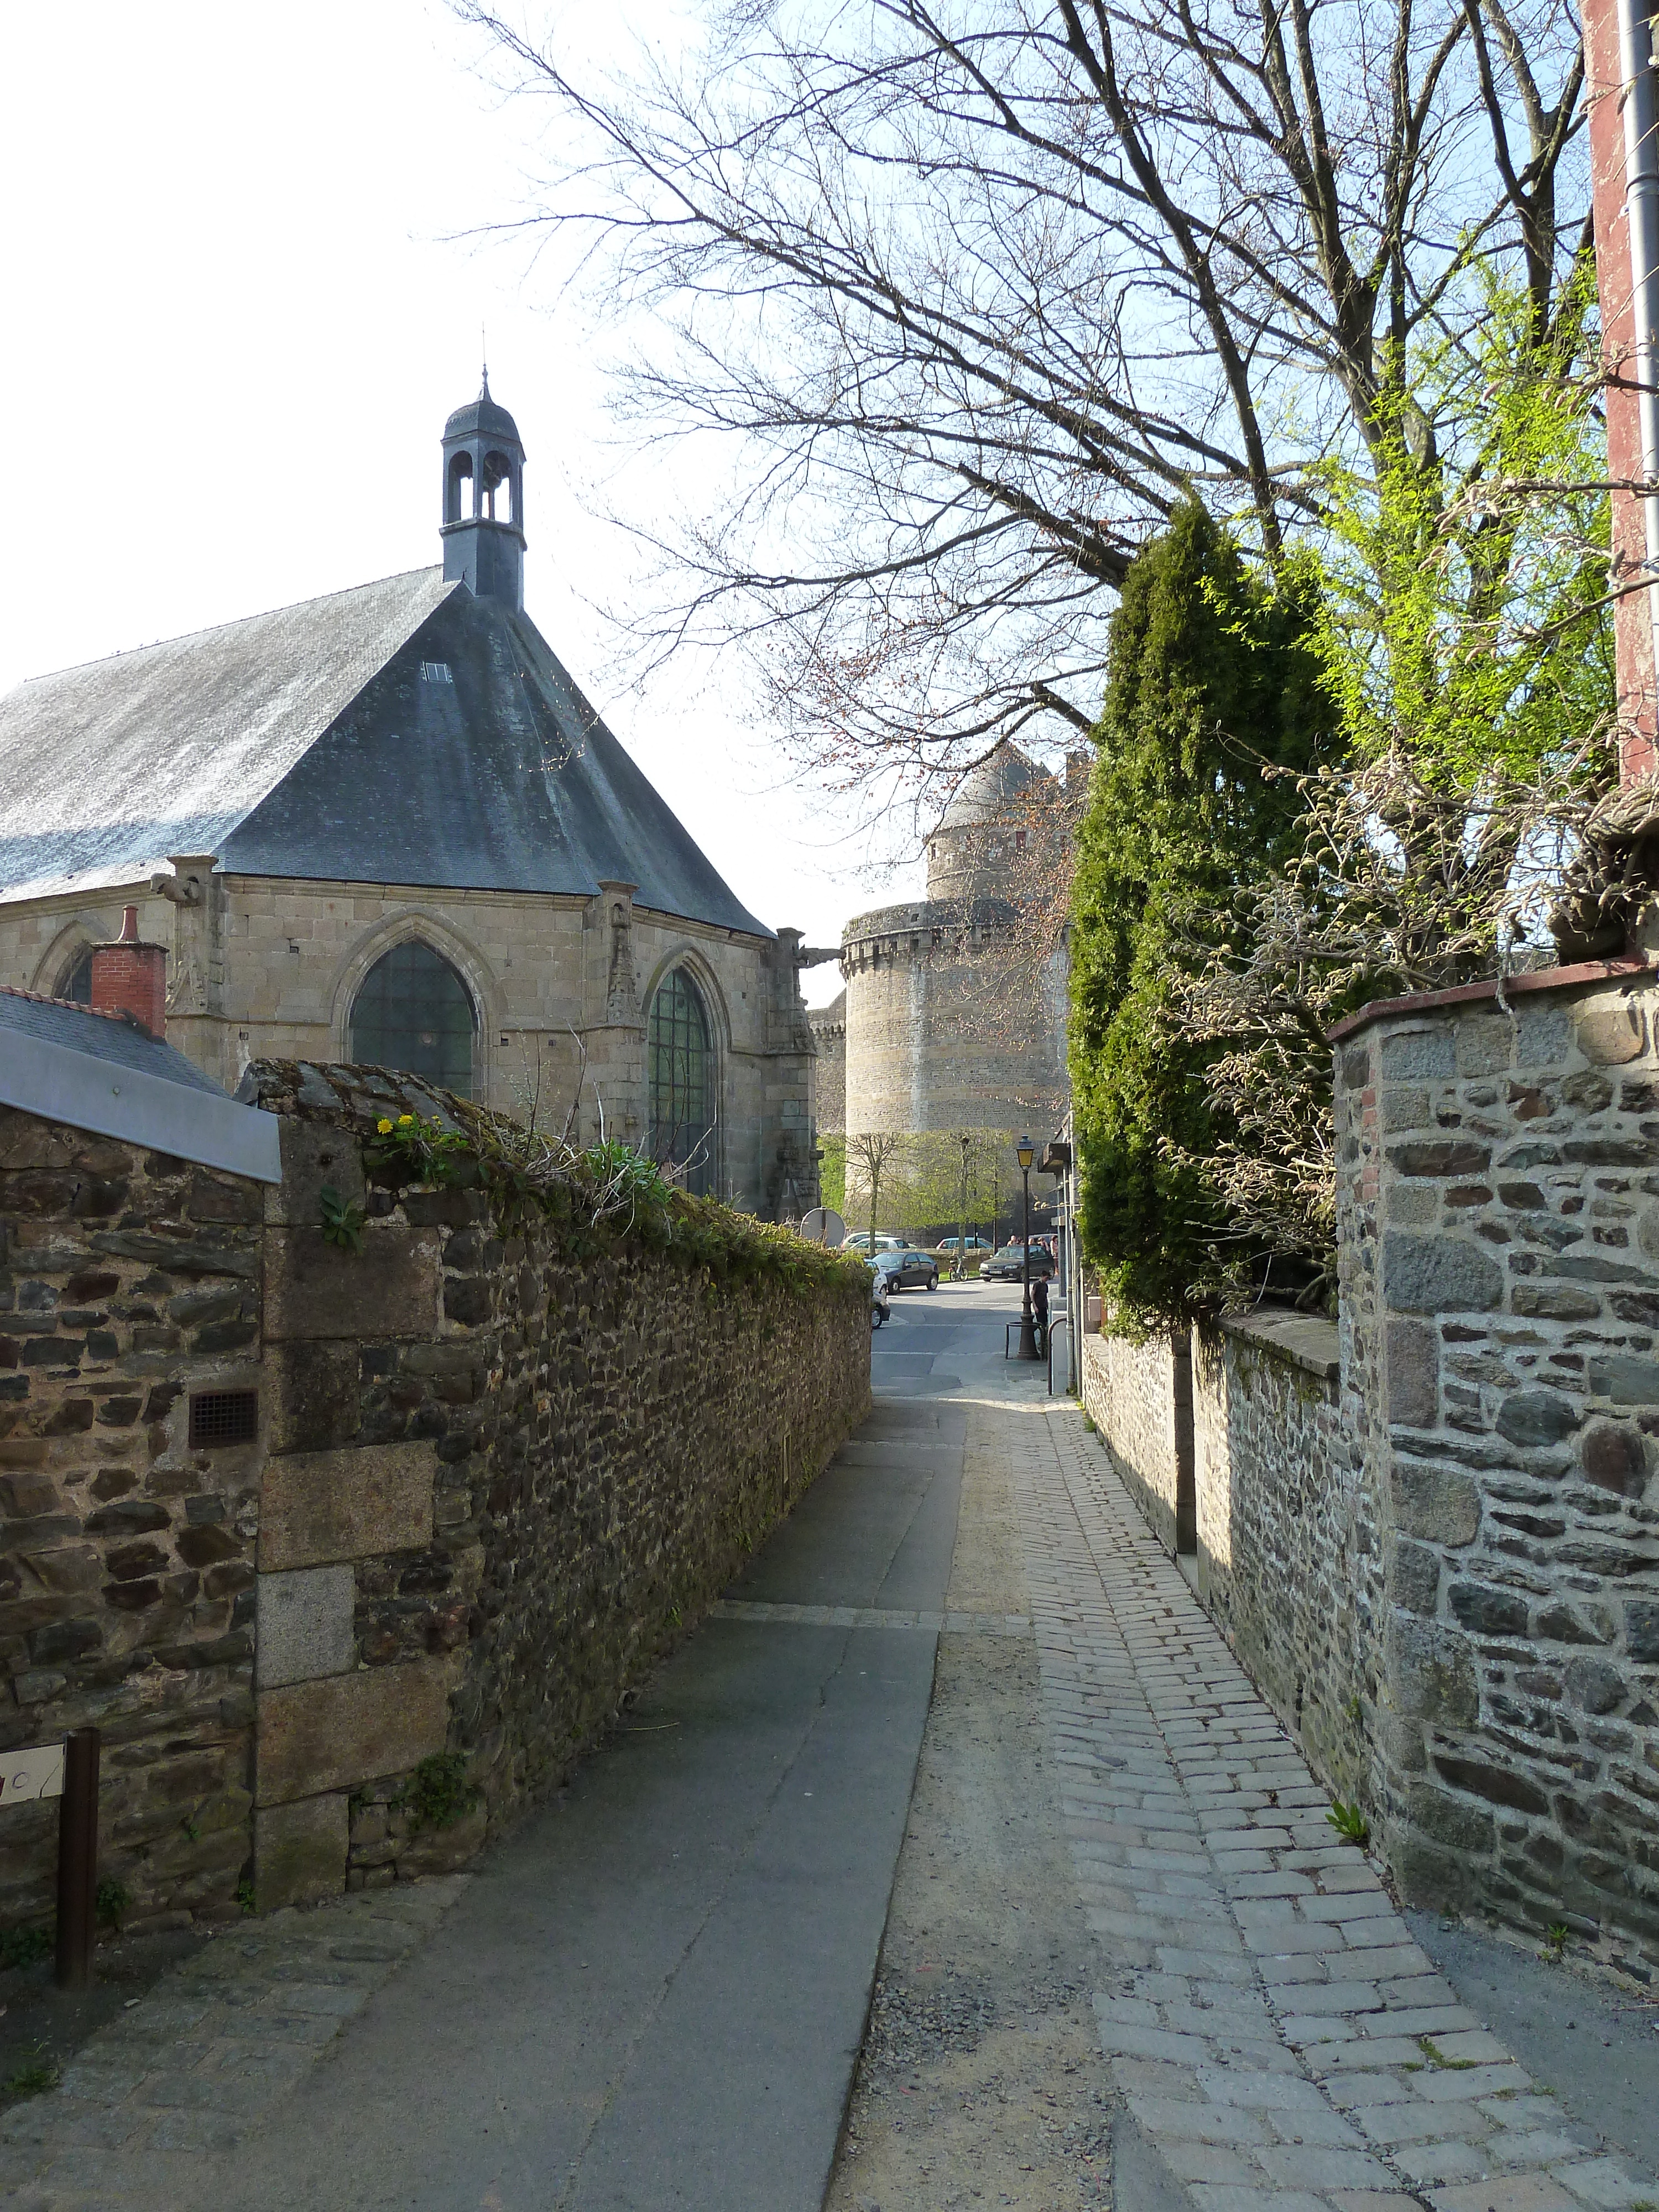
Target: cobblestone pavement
column 1276, row 2032
column 215, row 2045
column 858, row 1616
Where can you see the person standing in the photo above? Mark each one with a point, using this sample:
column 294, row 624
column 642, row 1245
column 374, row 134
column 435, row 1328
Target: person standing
column 1040, row 1307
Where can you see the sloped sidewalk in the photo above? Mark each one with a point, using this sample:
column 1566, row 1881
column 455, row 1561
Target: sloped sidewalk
column 1282, row 2039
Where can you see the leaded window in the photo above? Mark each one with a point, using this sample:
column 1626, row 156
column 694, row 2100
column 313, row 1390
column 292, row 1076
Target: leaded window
column 682, row 1076
column 77, row 980
column 413, row 1013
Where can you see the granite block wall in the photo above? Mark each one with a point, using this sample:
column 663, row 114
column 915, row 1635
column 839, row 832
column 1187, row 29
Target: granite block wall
column 1432, row 1534
column 1498, row 1203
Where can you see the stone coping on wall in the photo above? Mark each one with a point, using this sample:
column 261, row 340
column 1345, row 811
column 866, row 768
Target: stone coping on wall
column 1307, row 1340
column 1511, row 986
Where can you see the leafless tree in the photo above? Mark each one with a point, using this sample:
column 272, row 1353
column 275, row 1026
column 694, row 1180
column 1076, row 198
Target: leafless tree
column 869, row 1156
column 1366, row 913
column 977, row 290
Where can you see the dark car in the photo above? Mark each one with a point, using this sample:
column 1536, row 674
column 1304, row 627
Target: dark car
column 1008, row 1265
column 909, row 1270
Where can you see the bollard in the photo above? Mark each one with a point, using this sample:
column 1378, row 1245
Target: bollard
column 78, row 1860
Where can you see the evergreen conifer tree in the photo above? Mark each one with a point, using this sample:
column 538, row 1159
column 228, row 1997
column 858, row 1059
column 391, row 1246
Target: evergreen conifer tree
column 1210, row 676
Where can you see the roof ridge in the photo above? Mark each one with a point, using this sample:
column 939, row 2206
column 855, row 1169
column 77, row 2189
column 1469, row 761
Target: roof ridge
column 77, row 1006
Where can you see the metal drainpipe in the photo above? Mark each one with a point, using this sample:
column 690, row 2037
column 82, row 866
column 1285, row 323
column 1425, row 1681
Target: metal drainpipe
column 1641, row 114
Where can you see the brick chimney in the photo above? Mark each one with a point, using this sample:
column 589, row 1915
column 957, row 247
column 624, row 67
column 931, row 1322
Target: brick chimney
column 129, row 977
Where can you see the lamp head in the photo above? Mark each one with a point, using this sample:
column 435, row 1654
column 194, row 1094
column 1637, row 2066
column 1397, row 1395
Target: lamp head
column 1025, row 1152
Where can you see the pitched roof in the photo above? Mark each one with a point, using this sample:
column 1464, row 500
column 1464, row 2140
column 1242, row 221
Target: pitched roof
column 113, row 1037
column 102, row 1072
column 110, row 767
column 404, row 733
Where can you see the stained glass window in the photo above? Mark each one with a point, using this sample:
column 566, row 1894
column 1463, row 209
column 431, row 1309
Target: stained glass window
column 681, row 1073
column 413, row 1013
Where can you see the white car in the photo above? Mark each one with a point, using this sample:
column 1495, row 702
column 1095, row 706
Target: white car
column 880, row 1305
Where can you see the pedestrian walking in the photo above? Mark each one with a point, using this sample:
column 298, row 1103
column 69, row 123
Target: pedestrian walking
column 1040, row 1307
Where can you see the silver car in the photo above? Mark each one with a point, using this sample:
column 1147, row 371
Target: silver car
column 880, row 1305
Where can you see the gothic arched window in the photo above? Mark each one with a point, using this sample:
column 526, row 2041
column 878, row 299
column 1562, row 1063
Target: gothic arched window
column 77, row 979
column 682, row 1076
column 412, row 1012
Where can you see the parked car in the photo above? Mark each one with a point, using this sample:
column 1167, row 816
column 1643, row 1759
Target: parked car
column 907, row 1269
column 880, row 1308
column 859, row 1242
column 969, row 1244
column 1007, row 1265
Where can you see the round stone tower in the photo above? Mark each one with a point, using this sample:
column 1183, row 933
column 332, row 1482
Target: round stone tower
column 947, row 1026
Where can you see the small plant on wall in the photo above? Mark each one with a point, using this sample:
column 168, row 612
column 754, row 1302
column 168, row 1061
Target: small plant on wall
column 409, row 1149
column 342, row 1219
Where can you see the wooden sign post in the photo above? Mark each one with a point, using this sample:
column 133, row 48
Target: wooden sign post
column 68, row 1771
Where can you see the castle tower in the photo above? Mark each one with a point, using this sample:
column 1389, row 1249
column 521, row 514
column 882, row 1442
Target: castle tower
column 483, row 501
column 975, row 851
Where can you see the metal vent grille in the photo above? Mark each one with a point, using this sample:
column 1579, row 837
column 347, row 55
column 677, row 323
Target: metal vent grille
column 223, row 1416
column 436, row 671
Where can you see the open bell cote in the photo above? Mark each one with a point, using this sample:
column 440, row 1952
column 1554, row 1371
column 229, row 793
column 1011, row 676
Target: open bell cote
column 483, row 501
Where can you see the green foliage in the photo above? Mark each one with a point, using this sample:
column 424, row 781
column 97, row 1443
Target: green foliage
column 1210, row 675
column 922, row 1180
column 1350, row 1820
column 22, row 1947
column 35, row 2076
column 1462, row 636
column 438, row 1793
column 1462, row 618
column 601, row 1198
column 113, row 1903
column 409, row 1149
column 245, row 1900
column 342, row 1219
column 832, row 1172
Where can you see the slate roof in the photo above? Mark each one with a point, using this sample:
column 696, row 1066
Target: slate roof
column 307, row 743
column 102, row 1072
column 483, row 414
column 983, row 795
column 110, row 1037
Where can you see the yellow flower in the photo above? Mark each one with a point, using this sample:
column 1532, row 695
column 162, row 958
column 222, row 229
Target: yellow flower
column 384, row 1127
column 404, row 1120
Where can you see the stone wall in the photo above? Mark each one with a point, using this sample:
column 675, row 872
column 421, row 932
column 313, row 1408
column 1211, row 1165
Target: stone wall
column 494, row 1477
column 1286, row 1556
column 127, row 1281
column 1498, row 1200
column 497, row 1503
column 1139, row 1398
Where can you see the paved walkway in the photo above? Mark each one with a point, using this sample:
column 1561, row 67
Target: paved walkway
column 653, row 1994
column 1279, row 2036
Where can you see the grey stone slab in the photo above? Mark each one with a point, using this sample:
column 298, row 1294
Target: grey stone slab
column 304, row 1621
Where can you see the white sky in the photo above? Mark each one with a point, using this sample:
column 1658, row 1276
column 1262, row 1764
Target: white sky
column 239, row 310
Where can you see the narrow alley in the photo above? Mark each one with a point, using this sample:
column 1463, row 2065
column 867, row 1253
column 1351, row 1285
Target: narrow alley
column 952, row 1861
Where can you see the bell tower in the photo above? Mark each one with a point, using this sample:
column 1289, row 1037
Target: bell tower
column 483, row 501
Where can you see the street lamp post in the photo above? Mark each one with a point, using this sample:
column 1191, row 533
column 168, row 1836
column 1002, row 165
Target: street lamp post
column 1025, row 1152
column 960, row 1271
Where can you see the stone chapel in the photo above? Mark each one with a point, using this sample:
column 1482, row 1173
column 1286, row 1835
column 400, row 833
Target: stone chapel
column 386, row 826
